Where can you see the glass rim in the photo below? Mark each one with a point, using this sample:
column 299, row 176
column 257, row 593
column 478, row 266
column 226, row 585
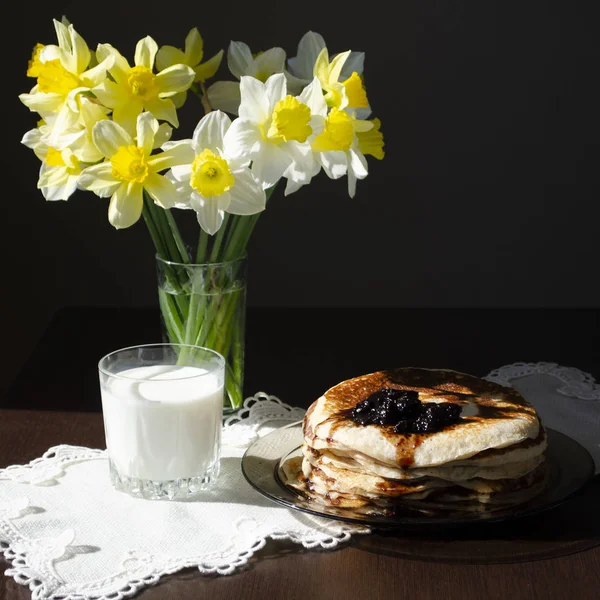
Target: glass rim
column 204, row 264
column 219, row 356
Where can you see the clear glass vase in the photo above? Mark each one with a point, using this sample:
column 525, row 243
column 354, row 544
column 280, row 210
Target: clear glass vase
column 205, row 305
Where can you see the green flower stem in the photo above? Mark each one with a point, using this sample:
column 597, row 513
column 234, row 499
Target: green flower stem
column 233, row 388
column 202, row 247
column 183, row 253
column 216, row 247
column 160, row 218
column 170, row 316
column 174, row 308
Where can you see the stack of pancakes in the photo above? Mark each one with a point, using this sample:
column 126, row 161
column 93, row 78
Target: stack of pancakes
column 492, row 458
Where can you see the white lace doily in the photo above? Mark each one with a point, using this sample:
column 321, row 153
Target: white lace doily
column 566, row 399
column 70, row 535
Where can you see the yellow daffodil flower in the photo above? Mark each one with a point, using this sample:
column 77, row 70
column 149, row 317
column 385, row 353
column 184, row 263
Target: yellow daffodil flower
column 344, row 141
column 137, row 89
column 350, row 93
column 62, row 74
column 192, row 57
column 131, row 168
column 225, row 95
column 341, row 78
column 215, row 182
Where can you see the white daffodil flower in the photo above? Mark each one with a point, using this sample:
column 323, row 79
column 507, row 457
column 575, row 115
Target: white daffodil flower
column 225, row 95
column 341, row 147
column 59, row 171
column 131, row 169
column 214, row 182
column 62, row 74
column 136, row 89
column 275, row 129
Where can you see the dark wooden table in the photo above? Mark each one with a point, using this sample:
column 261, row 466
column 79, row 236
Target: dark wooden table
column 296, row 354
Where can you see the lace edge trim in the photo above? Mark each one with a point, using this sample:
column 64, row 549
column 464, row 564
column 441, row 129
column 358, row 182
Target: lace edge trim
column 24, row 575
column 577, row 383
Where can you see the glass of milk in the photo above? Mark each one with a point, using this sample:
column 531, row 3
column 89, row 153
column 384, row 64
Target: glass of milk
column 163, row 407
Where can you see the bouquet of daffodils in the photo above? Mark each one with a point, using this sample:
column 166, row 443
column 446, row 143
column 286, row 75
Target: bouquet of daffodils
column 106, row 126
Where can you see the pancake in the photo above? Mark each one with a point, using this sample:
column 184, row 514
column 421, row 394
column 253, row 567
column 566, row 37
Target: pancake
column 492, row 417
column 488, row 455
column 456, row 471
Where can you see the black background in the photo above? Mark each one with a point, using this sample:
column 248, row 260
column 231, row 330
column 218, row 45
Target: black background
column 487, row 197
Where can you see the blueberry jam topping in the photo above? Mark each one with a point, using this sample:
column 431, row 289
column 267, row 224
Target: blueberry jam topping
column 404, row 410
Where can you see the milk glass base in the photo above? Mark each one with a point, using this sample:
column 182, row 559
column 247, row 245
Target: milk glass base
column 174, row 489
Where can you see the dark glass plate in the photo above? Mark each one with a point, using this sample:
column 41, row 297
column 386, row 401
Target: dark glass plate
column 570, row 467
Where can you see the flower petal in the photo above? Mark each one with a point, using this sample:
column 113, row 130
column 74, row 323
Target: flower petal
column 62, row 35
column 351, row 183
column 146, row 128
column 163, row 109
column 180, row 173
column 210, row 131
column 208, row 211
column 145, row 52
column 96, row 75
column 163, row 135
column 168, row 56
column 295, row 85
column 126, row 115
column 97, row 177
column 194, row 47
column 62, row 192
column 269, row 164
column 254, row 104
column 241, row 139
column 309, row 48
column 225, row 95
column 291, row 187
column 269, row 62
column 161, row 190
column 42, row 103
column 109, row 137
column 276, row 88
column 247, row 196
column 108, row 191
column 81, row 52
column 32, row 138
column 354, row 63
column 302, row 165
column 126, row 205
column 312, row 96
column 358, row 164
column 177, row 78
column 239, row 59
column 335, row 163
column 120, row 67
column 52, row 176
column 109, row 94
column 336, row 66
column 184, row 192
column 179, row 153
column 65, row 119
column 209, row 68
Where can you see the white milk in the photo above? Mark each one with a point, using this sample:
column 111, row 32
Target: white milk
column 167, row 426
